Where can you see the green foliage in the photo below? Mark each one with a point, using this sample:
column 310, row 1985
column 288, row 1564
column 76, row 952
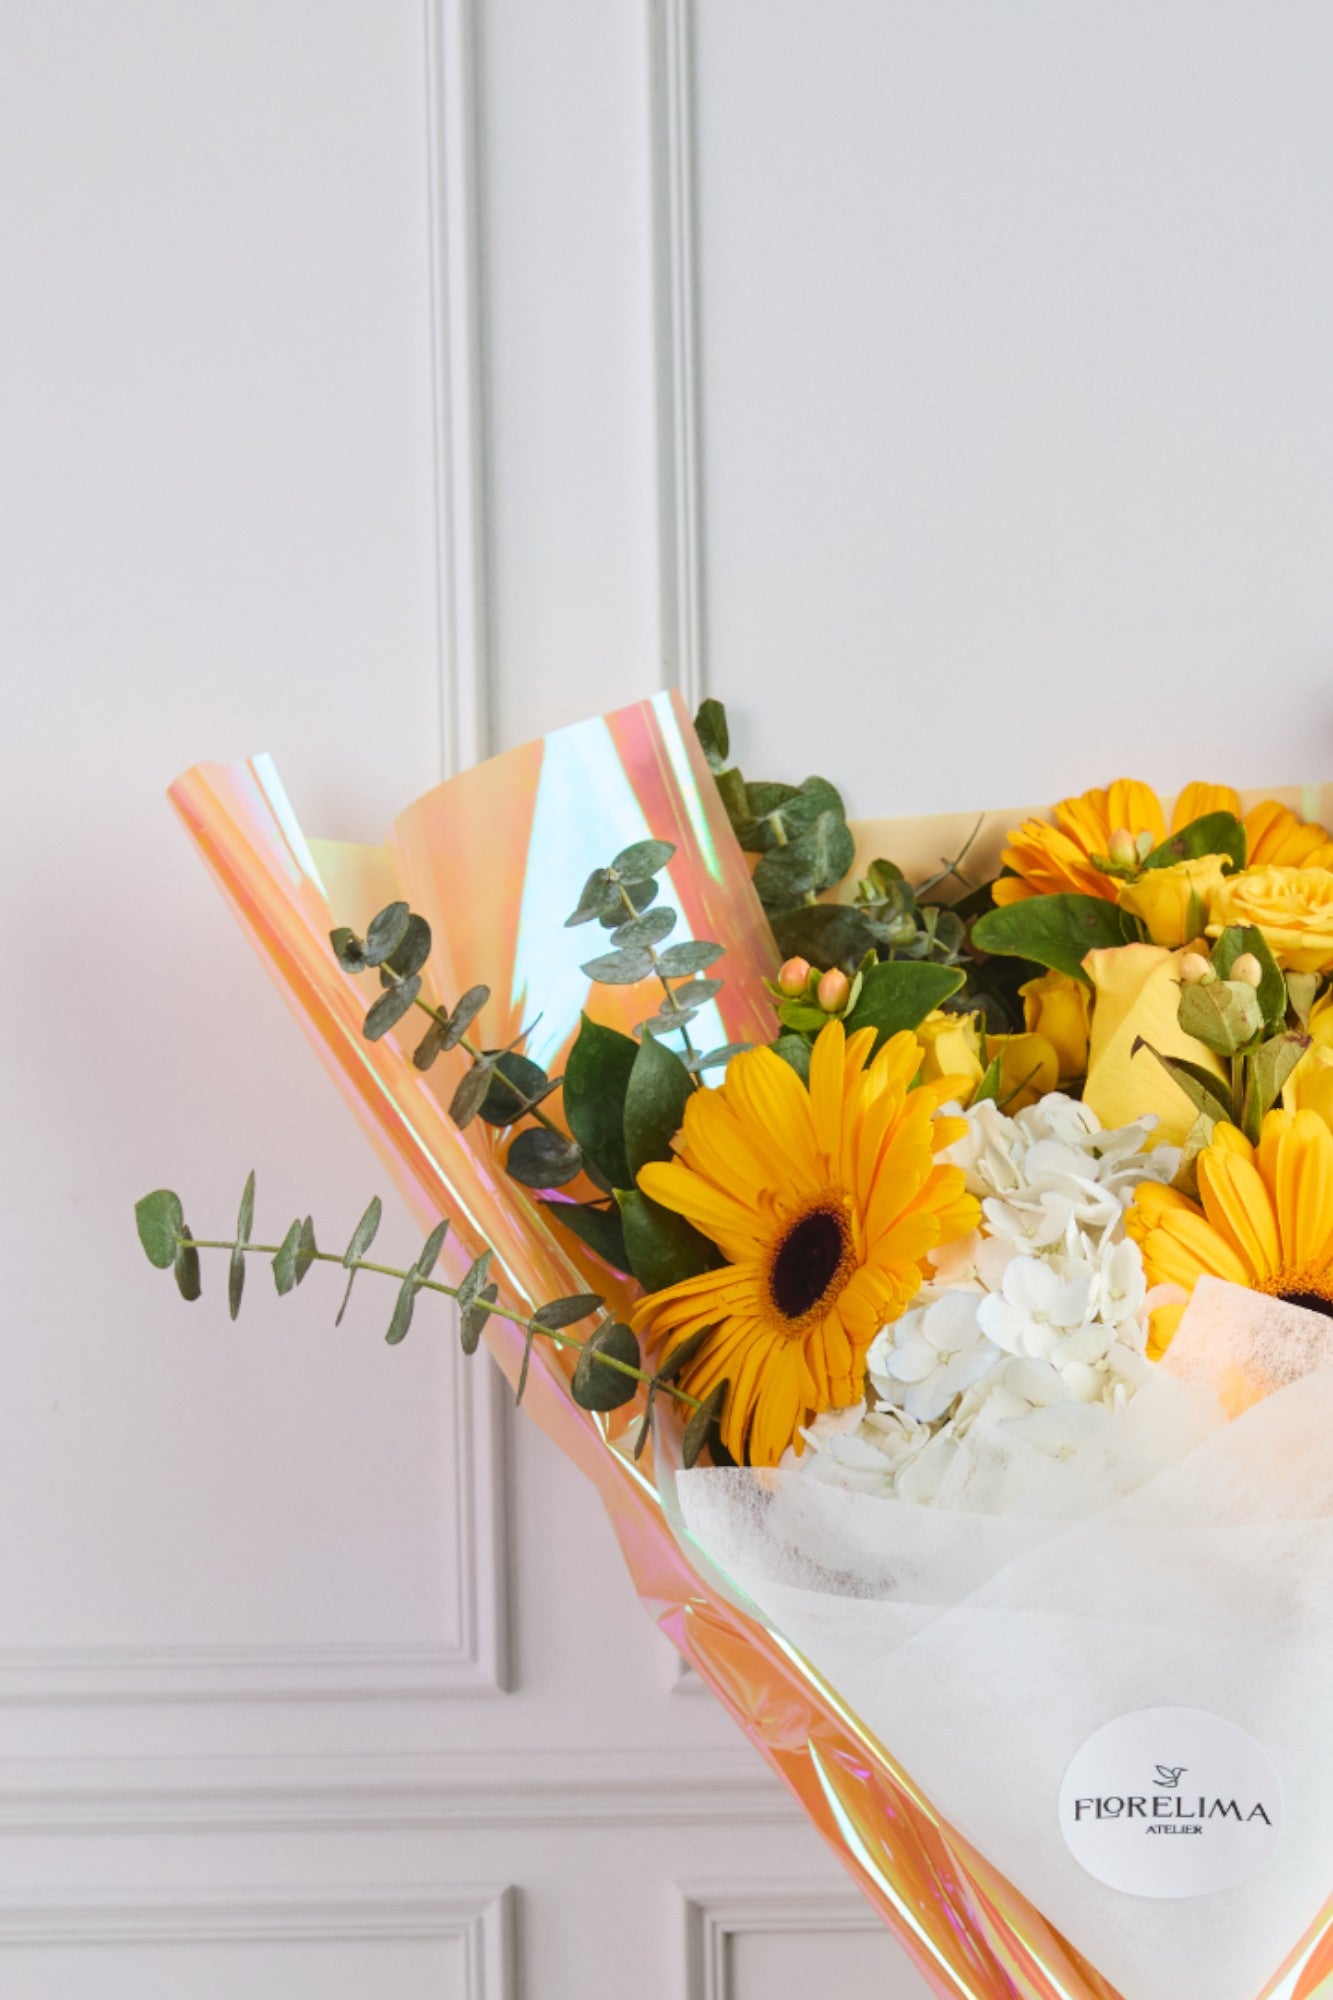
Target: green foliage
column 899, row 994
column 827, row 934
column 390, row 1008
column 600, row 1382
column 659, row 1088
column 600, row 1228
column 360, row 1241
column 236, row 1268
column 702, row 1432
column 1223, row 1014
column 795, row 1051
column 541, row 1159
column 1216, row 833
column 1264, row 1071
column 1209, row 1094
column 516, row 1084
column 1056, row 931
column 1238, row 939
column 662, row 1247
column 160, row 1221
column 597, row 1078
column 800, row 831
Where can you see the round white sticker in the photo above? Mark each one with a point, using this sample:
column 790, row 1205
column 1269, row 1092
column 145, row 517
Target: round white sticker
column 1171, row 1802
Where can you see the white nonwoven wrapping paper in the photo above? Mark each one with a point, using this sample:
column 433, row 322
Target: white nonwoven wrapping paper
column 1189, row 1566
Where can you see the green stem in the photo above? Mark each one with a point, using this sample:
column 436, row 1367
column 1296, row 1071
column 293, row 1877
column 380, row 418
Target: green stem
column 442, row 1020
column 665, row 983
column 556, row 1335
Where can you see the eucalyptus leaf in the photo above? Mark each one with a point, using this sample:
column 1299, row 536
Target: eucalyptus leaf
column 1056, row 931
column 390, row 1008
column 820, row 857
column 599, row 895
column 560, row 1313
column 284, row 1260
column 160, row 1221
column 795, row 1052
column 694, row 993
column 348, row 949
column 464, row 1014
column 470, row 1095
column 361, row 1239
column 659, row 1089
column 539, row 1158
column 619, row 968
column 413, row 950
column 402, row 1310
column 899, row 994
column 643, row 860
column 1215, row 833
column 638, row 895
column 662, row 1247
column 716, row 1058
column 828, row 934
column 516, row 1082
column 710, row 726
column 431, row 1248
column 597, row 1078
column 640, row 932
column 430, row 1045
column 679, row 960
column 388, row 928
column 472, row 1320
column 473, row 1282
column 185, row 1268
column 594, row 1385
column 305, row 1250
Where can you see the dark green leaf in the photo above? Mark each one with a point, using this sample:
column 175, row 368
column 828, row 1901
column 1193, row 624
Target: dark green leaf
column 412, row 953
column 763, row 799
column 539, row 1158
column 596, row 1083
column 472, row 1318
column 567, row 1312
column 991, row 1083
column 662, row 1247
column 643, row 860
column 638, row 895
column 597, row 1387
column 361, row 1239
column 431, row 1248
column 472, row 1321
column 634, row 935
column 820, row 857
column 388, row 928
column 716, row 1058
column 599, row 1228
column 899, row 994
column 185, row 1266
column 402, row 1310
column 828, row 934
column 681, row 1356
column 710, row 726
column 1216, row 833
column 659, row 1089
column 795, row 1052
column 348, row 949
column 1235, row 941
column 680, row 959
column 703, row 1426
column 516, row 1082
column 160, row 1221
column 799, row 809
column 464, row 1014
column 235, row 1280
column 1267, row 1070
column 470, row 1095
column 619, row 968
column 390, row 1008
column 731, row 790
column 305, row 1250
column 1056, row 931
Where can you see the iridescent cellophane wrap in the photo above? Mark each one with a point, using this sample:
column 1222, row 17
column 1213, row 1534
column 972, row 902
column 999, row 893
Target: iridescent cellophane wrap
column 495, row 859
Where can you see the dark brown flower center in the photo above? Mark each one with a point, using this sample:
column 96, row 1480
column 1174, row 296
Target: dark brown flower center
column 1313, row 1302
column 808, row 1260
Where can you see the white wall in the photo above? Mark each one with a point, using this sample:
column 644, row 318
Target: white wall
column 379, row 389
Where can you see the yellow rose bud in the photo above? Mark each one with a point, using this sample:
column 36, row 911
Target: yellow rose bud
column 1060, row 1008
column 794, row 976
column 1136, row 990
column 1195, row 967
column 1029, row 1067
column 833, row 990
column 953, row 1046
column 1247, row 969
column 1169, row 900
column 1293, row 907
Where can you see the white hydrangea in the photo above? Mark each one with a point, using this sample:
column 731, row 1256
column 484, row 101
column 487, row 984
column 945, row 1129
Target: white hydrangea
column 1033, row 1329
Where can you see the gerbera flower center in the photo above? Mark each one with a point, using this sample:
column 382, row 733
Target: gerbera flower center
column 1320, row 1301
column 809, row 1260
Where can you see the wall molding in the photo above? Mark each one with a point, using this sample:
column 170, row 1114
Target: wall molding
column 469, row 1790
column 481, row 1919
column 715, row 1915
column 676, row 338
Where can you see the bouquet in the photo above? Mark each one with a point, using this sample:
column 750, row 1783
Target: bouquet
column 922, row 1235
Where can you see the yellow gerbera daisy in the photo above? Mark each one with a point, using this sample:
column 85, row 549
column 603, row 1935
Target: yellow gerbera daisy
column 824, row 1201
column 1264, row 1219
column 1050, row 860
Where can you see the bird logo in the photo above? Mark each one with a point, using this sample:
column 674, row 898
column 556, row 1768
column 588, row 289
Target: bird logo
column 1170, row 1775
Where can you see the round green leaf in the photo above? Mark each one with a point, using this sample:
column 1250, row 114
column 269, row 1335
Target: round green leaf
column 597, row 1387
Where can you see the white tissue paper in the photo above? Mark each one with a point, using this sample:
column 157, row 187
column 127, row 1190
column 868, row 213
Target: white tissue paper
column 1180, row 1560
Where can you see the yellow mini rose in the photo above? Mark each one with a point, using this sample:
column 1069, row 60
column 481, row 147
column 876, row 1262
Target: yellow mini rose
column 954, row 1046
column 1136, row 991
column 1310, row 1085
column 1029, row 1067
column 1293, row 907
column 957, row 1047
column 1060, row 1008
column 1175, row 903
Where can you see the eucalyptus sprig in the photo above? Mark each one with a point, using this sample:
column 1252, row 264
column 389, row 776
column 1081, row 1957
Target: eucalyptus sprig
column 609, row 1370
